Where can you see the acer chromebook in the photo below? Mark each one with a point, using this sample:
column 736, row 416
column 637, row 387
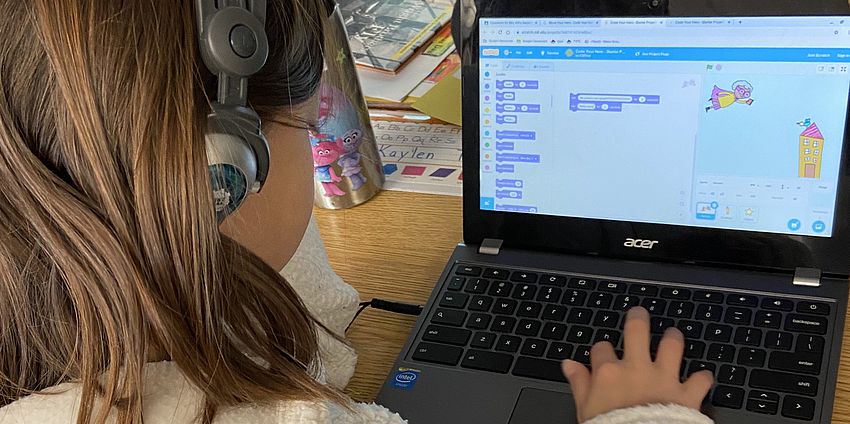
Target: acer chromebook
column 688, row 156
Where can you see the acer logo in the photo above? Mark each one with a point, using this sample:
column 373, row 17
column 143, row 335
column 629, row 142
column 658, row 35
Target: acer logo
column 640, row 243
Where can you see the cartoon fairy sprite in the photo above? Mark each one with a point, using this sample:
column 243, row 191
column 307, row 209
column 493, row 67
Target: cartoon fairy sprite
column 325, row 152
column 350, row 160
column 720, row 98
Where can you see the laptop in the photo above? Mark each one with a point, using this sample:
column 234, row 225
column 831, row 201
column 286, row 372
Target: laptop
column 687, row 156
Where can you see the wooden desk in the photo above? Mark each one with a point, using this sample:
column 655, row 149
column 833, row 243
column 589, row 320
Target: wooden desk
column 394, row 247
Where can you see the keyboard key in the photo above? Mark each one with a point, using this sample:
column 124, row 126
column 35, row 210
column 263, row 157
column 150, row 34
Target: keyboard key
column 728, row 397
column 709, row 312
column 613, row 286
column 778, row 340
column 579, row 316
column 654, row 306
column 763, row 396
column 776, row 304
column 680, row 310
column 448, row 317
column 496, row 274
column 533, row 347
column 524, row 292
column 582, row 283
column 798, row 407
column 501, row 289
column 694, row 349
column 477, row 286
column 742, row 300
column 624, row 302
column 720, row 352
column 478, row 321
column 675, row 293
column 437, row 353
column 708, row 296
column 697, row 366
column 574, row 298
column 600, row 300
column 606, row 319
column 579, row 334
column 524, row 277
column 559, row 351
column 748, row 336
column 504, row 306
column 469, row 271
column 767, row 319
column 810, row 344
column 508, row 343
column 751, row 357
column 643, row 290
column 487, row 361
column 658, row 324
column 503, row 324
column 553, row 331
column 528, row 327
column 718, row 333
column 784, row 382
column 481, row 303
column 582, row 355
column 549, row 294
column 808, row 363
column 448, row 335
column 538, row 368
column 554, row 280
column 762, row 407
column 607, row 335
column 554, row 313
column 805, row 324
column 691, row 329
column 456, row 283
column 817, row 308
column 738, row 316
column 483, row 340
column 454, row 300
column 529, row 309
column 730, row 374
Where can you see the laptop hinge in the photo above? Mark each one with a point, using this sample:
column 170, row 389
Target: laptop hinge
column 490, row 247
column 809, row 277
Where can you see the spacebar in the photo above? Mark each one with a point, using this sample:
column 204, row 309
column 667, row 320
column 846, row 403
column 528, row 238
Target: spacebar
column 539, row 368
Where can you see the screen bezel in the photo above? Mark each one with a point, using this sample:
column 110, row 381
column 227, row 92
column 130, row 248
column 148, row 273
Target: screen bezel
column 680, row 244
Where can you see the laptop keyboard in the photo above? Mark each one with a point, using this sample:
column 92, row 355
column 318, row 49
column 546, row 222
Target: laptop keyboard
column 766, row 353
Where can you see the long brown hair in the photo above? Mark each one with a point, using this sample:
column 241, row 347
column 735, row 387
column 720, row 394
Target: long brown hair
column 109, row 248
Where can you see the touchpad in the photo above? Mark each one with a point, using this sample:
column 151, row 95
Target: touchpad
column 536, row 406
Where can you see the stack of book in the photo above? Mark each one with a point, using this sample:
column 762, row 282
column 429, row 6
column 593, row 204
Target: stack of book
column 410, row 74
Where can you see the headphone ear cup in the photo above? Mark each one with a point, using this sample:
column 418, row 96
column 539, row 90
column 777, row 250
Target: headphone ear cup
column 233, row 171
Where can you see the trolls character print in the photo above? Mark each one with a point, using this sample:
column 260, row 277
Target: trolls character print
column 325, row 152
column 721, row 99
column 350, row 160
column 338, row 119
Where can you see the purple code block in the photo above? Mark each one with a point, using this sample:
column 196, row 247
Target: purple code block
column 505, row 146
column 609, row 102
column 506, row 119
column 516, row 135
column 507, row 168
column 517, row 107
column 509, row 183
column 505, row 95
column 508, row 194
column 517, row 84
column 516, row 208
column 517, row 157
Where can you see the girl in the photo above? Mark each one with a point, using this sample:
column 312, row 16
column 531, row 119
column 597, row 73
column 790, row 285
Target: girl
column 121, row 298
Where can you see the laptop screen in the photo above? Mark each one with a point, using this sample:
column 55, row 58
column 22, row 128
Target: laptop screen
column 732, row 123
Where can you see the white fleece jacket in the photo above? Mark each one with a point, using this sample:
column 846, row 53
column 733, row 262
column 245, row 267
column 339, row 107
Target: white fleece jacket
column 171, row 399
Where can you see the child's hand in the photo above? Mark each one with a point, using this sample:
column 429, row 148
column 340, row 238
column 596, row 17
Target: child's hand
column 635, row 380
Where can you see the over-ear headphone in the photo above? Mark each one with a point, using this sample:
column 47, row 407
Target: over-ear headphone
column 233, row 46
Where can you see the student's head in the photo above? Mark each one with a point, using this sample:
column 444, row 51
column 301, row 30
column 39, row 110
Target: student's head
column 110, row 253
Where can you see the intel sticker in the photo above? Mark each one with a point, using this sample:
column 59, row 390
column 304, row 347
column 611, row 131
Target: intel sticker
column 405, row 378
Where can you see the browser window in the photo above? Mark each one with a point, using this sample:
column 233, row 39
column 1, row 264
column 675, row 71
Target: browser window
column 734, row 123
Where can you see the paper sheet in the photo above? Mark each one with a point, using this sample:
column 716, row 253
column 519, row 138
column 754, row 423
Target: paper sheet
column 423, row 157
column 396, row 87
column 442, row 101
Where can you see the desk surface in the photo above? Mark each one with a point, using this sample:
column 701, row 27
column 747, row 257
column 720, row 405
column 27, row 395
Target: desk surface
column 394, row 247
